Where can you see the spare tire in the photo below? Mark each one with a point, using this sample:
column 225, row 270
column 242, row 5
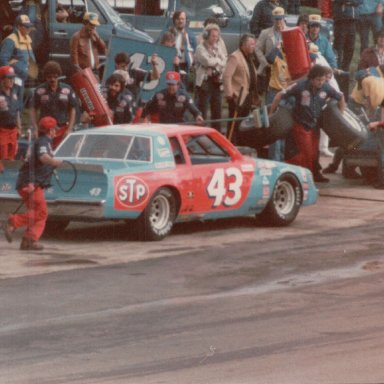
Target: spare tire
column 344, row 129
column 250, row 136
column 281, row 122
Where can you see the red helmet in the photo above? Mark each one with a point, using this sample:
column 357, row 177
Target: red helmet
column 47, row 123
column 7, row 71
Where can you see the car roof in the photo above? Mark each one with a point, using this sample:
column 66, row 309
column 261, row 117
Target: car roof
column 148, row 129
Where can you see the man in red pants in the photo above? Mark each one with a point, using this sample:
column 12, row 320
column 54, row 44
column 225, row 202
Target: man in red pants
column 34, row 176
column 310, row 96
column 10, row 123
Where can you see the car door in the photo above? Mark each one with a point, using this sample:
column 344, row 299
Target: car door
column 221, row 184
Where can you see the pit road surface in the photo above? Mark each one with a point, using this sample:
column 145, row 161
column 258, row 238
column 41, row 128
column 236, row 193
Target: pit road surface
column 213, row 303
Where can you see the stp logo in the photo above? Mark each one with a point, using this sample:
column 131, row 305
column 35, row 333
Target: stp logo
column 130, row 192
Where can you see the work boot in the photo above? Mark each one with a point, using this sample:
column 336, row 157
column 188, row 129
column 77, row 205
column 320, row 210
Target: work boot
column 8, row 230
column 28, row 244
column 330, row 169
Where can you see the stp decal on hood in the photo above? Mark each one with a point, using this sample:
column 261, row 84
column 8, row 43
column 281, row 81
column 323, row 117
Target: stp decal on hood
column 129, row 192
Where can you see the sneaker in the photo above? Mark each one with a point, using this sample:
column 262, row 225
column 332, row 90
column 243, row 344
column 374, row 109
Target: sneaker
column 8, row 231
column 28, row 244
column 319, row 178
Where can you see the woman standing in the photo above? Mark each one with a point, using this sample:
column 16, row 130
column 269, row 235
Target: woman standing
column 210, row 60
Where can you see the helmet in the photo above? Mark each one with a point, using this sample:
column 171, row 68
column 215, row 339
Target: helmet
column 47, row 123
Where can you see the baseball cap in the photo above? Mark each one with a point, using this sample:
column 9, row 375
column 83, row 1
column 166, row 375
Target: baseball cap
column 278, row 13
column 24, row 21
column 91, row 18
column 7, row 71
column 47, row 123
column 314, row 19
column 172, row 77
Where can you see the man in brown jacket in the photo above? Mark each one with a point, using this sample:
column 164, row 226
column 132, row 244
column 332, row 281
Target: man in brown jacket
column 240, row 80
column 86, row 44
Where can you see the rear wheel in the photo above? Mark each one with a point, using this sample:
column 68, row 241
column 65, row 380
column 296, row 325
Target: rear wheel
column 157, row 219
column 285, row 202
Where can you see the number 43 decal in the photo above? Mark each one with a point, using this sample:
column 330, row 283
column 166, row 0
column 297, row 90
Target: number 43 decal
column 225, row 186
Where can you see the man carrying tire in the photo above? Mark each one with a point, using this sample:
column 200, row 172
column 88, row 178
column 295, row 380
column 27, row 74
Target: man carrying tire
column 310, row 96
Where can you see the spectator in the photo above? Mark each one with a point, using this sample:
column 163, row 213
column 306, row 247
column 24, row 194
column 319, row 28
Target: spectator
column 185, row 44
column 136, row 76
column 373, row 56
column 61, row 14
column 371, row 12
column 56, row 99
column 303, row 23
column 170, row 105
column 346, row 17
column 34, row 10
column 293, row 7
column 34, row 176
column 262, row 15
column 269, row 39
column 273, row 68
column 310, row 97
column 16, row 51
column 210, row 60
column 168, row 40
column 86, row 44
column 240, row 80
column 10, row 123
column 119, row 99
column 325, row 47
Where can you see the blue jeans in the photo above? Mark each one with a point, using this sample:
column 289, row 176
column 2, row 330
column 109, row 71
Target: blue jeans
column 276, row 149
column 368, row 23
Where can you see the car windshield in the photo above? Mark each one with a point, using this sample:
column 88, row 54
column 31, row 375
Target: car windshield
column 107, row 146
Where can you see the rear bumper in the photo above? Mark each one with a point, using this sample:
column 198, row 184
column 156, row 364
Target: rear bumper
column 60, row 208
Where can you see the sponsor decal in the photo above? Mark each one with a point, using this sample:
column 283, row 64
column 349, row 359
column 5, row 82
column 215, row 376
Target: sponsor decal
column 65, row 91
column 6, row 187
column 164, row 152
column 247, row 168
column 40, row 91
column 322, row 95
column 130, row 192
column 161, row 140
column 164, row 164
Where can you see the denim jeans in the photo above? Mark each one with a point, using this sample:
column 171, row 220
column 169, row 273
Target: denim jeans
column 367, row 23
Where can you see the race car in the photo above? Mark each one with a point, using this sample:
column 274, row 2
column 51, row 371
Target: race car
column 156, row 175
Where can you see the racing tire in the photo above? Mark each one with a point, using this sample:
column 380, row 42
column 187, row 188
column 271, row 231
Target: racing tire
column 156, row 221
column 281, row 122
column 284, row 204
column 55, row 227
column 344, row 129
column 369, row 174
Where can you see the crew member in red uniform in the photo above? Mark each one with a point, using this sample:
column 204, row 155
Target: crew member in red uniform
column 34, row 176
column 10, row 123
column 56, row 99
column 310, row 97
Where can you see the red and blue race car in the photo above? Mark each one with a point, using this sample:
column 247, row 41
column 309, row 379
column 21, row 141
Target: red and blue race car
column 159, row 174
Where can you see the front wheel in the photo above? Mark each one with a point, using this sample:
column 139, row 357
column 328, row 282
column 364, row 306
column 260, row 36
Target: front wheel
column 157, row 219
column 284, row 203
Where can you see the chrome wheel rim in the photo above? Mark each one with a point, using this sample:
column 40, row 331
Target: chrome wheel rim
column 160, row 212
column 284, row 197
